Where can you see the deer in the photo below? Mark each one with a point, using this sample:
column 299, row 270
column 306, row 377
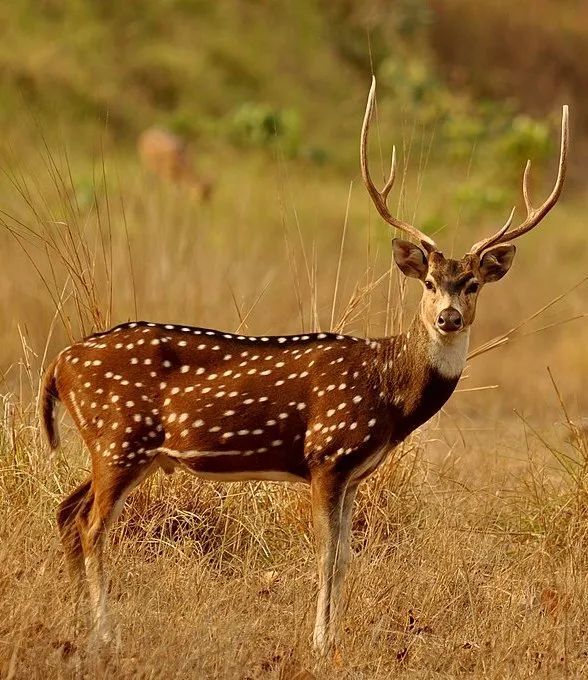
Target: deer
column 165, row 155
column 322, row 408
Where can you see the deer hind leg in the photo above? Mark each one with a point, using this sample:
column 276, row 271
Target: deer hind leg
column 72, row 542
column 344, row 547
column 110, row 487
column 332, row 505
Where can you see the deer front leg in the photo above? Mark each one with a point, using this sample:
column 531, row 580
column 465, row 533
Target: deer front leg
column 332, row 506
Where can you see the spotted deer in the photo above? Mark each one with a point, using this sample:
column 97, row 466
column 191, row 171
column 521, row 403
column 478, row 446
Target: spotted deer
column 166, row 155
column 319, row 408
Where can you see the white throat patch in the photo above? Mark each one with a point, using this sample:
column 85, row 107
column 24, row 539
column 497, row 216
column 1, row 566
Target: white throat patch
column 448, row 354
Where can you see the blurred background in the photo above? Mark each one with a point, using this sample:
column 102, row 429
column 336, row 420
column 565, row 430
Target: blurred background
column 197, row 161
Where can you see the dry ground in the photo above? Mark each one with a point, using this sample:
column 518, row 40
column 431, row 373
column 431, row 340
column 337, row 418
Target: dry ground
column 470, row 544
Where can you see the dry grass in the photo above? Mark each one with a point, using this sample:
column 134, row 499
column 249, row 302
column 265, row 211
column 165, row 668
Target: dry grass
column 470, row 561
column 471, row 542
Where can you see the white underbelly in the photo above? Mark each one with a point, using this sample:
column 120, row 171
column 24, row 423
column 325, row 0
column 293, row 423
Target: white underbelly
column 195, row 462
column 372, row 462
column 248, row 475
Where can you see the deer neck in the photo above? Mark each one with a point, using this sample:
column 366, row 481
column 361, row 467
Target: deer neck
column 446, row 355
column 419, row 370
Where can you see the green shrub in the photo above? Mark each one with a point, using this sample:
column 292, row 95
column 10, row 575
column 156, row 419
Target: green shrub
column 478, row 197
column 255, row 124
column 526, row 138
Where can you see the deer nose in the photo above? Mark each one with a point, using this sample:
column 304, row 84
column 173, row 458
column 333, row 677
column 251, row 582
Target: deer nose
column 450, row 320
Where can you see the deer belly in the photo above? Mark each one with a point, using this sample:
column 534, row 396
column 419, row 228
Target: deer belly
column 235, row 465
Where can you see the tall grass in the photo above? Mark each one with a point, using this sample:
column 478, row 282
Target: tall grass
column 469, row 560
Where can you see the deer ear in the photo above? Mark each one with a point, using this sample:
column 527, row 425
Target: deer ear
column 495, row 262
column 410, row 259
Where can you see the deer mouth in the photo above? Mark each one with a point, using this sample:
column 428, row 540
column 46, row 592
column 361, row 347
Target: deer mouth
column 449, row 334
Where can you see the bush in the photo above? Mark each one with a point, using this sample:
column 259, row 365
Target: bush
column 260, row 125
column 526, row 138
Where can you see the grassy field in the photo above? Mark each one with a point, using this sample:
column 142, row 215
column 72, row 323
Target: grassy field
column 470, row 544
column 470, row 562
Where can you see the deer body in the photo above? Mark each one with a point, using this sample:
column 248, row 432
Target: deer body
column 319, row 408
column 260, row 408
column 166, row 155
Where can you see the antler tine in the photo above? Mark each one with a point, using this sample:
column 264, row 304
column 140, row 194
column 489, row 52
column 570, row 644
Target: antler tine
column 380, row 197
column 534, row 215
column 390, row 183
column 478, row 247
column 526, row 198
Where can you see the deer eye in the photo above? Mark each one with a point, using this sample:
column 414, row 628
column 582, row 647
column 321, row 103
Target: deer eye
column 472, row 288
column 429, row 285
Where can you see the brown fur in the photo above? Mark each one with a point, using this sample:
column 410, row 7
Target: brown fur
column 166, row 155
column 48, row 397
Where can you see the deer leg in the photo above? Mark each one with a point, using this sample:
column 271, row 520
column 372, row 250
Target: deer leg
column 72, row 543
column 110, row 487
column 344, row 552
column 332, row 505
column 92, row 522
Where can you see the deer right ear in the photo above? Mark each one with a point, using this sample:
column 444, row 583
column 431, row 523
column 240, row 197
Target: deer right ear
column 411, row 260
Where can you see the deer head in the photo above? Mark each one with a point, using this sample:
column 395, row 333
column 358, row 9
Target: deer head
column 451, row 287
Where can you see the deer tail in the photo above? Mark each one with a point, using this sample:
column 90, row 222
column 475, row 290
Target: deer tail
column 48, row 398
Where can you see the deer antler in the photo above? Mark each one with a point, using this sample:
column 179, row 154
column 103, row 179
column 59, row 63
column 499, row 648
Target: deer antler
column 380, row 197
column 534, row 215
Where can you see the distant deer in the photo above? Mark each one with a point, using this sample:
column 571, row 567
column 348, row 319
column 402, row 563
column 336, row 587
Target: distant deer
column 166, row 155
column 319, row 408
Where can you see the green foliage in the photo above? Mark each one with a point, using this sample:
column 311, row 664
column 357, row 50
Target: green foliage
column 261, row 125
column 432, row 223
column 247, row 75
column 526, row 138
column 477, row 197
column 315, row 154
column 411, row 82
column 461, row 134
column 412, row 16
column 191, row 125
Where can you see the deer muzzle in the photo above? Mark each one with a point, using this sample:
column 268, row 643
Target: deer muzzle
column 449, row 320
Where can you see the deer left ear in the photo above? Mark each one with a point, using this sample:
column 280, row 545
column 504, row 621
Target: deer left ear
column 495, row 262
